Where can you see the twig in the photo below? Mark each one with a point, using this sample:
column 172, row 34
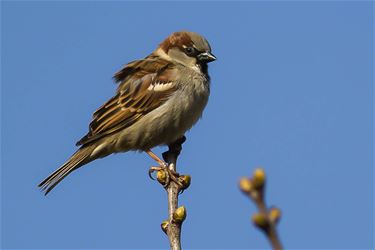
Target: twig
column 265, row 219
column 176, row 215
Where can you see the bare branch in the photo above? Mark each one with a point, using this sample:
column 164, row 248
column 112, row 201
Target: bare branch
column 265, row 219
column 176, row 215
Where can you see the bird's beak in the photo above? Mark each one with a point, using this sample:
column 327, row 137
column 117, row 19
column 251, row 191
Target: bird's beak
column 206, row 57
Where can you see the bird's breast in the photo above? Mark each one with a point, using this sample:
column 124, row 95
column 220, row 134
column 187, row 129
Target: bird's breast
column 184, row 109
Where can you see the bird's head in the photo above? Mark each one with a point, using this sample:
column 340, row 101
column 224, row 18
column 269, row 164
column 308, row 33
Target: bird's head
column 188, row 48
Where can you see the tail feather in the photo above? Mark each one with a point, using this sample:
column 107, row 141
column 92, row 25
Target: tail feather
column 78, row 159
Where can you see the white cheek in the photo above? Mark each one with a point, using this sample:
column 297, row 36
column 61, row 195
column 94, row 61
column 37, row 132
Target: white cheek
column 196, row 68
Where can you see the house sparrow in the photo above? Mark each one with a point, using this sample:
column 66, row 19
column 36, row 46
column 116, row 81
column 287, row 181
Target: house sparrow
column 157, row 100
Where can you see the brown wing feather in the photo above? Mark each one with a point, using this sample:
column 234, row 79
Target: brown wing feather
column 135, row 97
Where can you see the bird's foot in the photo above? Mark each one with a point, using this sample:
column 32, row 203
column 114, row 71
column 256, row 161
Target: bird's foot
column 165, row 175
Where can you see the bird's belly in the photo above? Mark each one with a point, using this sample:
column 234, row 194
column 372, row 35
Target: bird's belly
column 164, row 125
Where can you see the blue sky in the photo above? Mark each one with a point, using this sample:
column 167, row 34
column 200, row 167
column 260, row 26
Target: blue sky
column 292, row 91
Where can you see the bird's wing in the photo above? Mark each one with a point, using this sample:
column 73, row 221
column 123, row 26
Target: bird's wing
column 144, row 85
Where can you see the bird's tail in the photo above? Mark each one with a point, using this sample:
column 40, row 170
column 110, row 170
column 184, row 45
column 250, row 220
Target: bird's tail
column 78, row 159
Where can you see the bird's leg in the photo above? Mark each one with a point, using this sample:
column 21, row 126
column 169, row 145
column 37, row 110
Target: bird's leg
column 163, row 166
column 156, row 158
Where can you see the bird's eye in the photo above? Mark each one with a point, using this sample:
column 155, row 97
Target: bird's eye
column 189, row 51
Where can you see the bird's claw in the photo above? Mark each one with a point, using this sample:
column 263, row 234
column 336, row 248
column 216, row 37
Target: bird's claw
column 150, row 171
column 165, row 175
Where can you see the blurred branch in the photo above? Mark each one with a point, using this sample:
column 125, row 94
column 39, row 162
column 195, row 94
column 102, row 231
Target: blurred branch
column 265, row 219
column 176, row 215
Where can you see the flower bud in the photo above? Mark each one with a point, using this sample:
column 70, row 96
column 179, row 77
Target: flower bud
column 161, row 176
column 164, row 226
column 259, row 178
column 245, row 185
column 179, row 215
column 260, row 220
column 274, row 214
column 185, row 180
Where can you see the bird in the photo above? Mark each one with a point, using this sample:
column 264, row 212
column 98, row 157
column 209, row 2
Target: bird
column 158, row 99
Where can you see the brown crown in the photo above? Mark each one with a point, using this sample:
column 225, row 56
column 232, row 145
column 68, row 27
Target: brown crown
column 177, row 39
